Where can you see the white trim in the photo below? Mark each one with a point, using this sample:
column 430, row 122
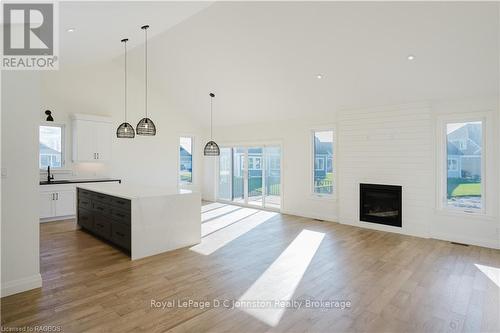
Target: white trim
column 63, row 145
column 20, row 285
column 179, row 182
column 315, row 216
column 466, row 240
column 312, row 159
column 245, row 146
column 57, row 218
column 442, row 161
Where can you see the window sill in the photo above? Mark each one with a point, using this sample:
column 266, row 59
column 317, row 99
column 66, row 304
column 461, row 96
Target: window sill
column 464, row 214
column 56, row 170
column 323, row 197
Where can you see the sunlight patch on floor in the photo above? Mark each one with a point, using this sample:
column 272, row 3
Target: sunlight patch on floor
column 492, row 273
column 281, row 279
column 214, row 241
column 211, row 206
column 225, row 220
column 211, row 214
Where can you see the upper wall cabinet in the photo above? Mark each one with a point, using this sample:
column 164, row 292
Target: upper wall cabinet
column 92, row 136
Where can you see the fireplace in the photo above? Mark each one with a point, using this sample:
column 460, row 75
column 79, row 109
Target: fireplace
column 380, row 204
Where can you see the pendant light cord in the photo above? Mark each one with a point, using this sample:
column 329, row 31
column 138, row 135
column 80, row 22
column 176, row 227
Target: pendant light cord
column 146, row 66
column 125, row 42
column 211, row 118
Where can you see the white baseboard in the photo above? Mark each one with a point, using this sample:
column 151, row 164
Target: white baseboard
column 20, row 285
column 58, row 218
column 310, row 216
column 464, row 240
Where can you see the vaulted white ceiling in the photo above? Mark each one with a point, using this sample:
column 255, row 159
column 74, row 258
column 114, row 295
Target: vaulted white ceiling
column 100, row 25
column 262, row 58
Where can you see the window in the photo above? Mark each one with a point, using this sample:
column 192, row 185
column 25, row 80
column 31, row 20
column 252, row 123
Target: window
column 323, row 172
column 186, row 160
column 452, row 164
column 254, row 163
column 464, row 156
column 51, row 144
column 319, row 163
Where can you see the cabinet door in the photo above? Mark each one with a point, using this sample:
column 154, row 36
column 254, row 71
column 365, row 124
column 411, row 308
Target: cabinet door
column 84, row 141
column 103, row 136
column 65, row 203
column 46, row 205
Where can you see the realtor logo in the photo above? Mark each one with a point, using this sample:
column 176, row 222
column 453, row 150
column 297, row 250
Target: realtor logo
column 29, row 36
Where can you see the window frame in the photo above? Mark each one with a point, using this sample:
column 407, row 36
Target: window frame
column 312, row 162
column 62, row 126
column 442, row 198
column 181, row 182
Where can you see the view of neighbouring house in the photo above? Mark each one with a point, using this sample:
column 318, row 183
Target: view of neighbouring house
column 185, row 165
column 49, row 156
column 464, row 164
column 323, row 162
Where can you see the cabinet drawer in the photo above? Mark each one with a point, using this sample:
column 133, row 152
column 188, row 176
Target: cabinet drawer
column 84, row 202
column 86, row 219
column 120, row 234
column 100, row 197
column 84, row 193
column 102, row 226
column 120, row 203
column 120, row 215
column 101, row 207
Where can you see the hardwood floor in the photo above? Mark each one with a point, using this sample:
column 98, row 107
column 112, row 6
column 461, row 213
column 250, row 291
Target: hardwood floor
column 394, row 282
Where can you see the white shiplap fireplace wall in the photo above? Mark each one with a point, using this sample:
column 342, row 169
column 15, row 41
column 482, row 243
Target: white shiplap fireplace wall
column 397, row 145
column 388, row 145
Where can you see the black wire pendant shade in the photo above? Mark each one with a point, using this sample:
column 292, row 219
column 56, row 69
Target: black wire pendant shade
column 211, row 148
column 125, row 130
column 146, row 125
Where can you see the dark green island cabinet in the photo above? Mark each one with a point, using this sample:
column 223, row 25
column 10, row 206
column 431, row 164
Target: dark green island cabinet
column 105, row 216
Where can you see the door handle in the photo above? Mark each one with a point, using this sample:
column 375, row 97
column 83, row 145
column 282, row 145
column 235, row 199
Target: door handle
column 97, row 155
column 57, row 196
column 53, row 196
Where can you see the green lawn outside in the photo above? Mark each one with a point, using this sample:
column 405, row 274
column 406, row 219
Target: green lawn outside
column 458, row 187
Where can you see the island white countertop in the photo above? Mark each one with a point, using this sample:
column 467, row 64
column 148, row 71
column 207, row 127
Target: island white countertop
column 132, row 191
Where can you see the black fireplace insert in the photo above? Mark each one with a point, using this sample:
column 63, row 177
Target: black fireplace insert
column 380, row 204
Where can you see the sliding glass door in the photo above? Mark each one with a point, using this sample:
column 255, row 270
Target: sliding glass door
column 255, row 179
column 251, row 176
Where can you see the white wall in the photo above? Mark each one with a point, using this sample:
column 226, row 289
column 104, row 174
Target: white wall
column 20, row 209
column 99, row 90
column 394, row 144
column 295, row 138
column 388, row 145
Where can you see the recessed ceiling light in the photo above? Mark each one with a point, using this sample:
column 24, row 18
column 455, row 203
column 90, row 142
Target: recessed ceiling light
column 71, row 30
column 319, row 76
column 411, row 57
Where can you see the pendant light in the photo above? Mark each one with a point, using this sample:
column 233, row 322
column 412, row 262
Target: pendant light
column 211, row 148
column 146, row 125
column 125, row 130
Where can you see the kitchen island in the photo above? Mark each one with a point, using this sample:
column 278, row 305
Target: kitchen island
column 142, row 220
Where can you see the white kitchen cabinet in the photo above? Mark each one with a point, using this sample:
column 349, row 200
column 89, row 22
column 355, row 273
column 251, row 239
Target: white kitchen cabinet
column 57, row 202
column 65, row 203
column 46, row 205
column 92, row 136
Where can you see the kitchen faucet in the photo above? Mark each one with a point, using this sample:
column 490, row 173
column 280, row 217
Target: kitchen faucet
column 49, row 176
